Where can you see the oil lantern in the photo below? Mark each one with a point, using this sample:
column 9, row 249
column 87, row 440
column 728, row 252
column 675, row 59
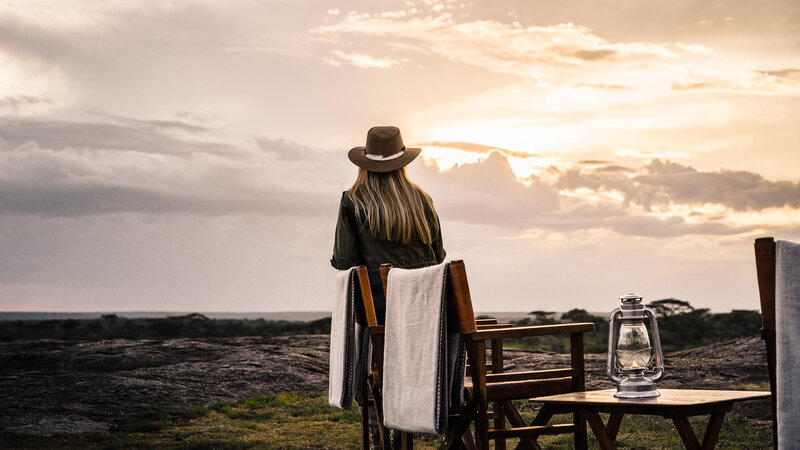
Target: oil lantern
column 633, row 363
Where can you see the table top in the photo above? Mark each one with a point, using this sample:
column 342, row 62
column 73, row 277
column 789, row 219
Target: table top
column 668, row 398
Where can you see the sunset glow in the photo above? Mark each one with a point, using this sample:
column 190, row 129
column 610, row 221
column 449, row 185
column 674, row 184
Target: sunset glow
column 190, row 155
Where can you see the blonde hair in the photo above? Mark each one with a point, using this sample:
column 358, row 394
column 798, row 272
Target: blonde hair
column 392, row 207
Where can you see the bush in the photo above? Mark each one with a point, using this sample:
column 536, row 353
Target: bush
column 190, row 326
column 680, row 325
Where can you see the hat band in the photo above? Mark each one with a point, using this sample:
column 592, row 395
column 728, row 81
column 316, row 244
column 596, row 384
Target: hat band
column 383, row 158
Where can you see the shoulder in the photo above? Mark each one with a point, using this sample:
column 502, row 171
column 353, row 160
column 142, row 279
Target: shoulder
column 346, row 202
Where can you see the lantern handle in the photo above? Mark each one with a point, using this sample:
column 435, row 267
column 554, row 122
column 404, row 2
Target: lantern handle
column 613, row 333
column 658, row 370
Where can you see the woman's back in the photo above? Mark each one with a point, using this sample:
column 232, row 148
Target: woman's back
column 384, row 217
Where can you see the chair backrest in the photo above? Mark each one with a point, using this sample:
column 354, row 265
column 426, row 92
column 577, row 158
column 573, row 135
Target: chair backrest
column 765, row 270
column 459, row 304
column 366, row 297
column 376, row 331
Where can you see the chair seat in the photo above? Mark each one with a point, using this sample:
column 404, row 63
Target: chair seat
column 523, row 389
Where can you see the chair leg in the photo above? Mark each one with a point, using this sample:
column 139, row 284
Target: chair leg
column 365, row 416
column 476, row 350
column 382, row 431
column 458, row 430
column 482, row 431
column 499, row 423
column 468, row 439
column 406, row 440
column 365, row 426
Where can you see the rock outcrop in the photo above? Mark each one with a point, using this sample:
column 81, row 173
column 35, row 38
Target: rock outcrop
column 50, row 387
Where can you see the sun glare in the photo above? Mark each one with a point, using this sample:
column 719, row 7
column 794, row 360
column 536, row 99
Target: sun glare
column 523, row 166
column 445, row 158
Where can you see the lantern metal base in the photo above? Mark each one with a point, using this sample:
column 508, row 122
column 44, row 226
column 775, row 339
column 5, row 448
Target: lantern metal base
column 636, row 386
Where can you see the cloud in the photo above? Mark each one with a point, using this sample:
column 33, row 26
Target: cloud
column 501, row 47
column 658, row 199
column 18, row 102
column 51, row 168
column 127, row 165
column 784, row 82
column 476, row 148
column 739, row 190
column 631, row 153
column 557, row 54
column 487, row 193
column 362, row 60
column 152, row 136
column 661, row 184
column 784, row 73
column 608, row 87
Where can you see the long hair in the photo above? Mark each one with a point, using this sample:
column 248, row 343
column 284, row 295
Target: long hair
column 392, row 207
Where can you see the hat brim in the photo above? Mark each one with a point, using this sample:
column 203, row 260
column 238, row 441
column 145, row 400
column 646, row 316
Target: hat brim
column 358, row 156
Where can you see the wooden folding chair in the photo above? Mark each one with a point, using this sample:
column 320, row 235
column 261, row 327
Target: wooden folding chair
column 765, row 269
column 498, row 387
column 501, row 388
column 375, row 381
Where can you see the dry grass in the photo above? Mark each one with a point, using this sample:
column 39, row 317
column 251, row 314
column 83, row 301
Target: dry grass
column 305, row 421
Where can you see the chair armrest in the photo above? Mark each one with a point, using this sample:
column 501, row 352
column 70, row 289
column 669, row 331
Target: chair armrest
column 537, row 330
column 528, row 375
column 480, row 322
column 381, row 329
column 494, row 326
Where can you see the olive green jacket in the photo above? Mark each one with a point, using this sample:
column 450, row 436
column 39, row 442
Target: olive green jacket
column 355, row 246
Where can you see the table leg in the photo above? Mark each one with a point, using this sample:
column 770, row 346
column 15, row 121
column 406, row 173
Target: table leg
column 686, row 432
column 600, row 432
column 712, row 430
column 516, row 421
column 612, row 427
column 579, row 419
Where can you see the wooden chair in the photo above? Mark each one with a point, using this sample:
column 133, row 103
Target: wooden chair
column 374, row 385
column 489, row 383
column 765, row 269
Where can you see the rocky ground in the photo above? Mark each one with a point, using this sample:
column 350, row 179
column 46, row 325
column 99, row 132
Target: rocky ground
column 49, row 387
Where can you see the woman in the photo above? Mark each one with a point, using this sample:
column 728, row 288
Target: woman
column 384, row 217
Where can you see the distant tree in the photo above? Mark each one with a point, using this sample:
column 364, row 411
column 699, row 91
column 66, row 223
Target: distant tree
column 543, row 317
column 578, row 315
column 670, row 307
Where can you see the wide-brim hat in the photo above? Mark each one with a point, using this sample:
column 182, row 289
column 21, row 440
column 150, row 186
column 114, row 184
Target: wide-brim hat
column 384, row 151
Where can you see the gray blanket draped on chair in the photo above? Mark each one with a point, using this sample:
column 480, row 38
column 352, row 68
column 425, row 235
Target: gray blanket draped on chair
column 349, row 345
column 787, row 331
column 423, row 372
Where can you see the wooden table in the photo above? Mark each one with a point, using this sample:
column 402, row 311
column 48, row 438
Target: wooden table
column 675, row 404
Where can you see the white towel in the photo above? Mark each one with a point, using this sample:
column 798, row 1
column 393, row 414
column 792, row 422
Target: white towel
column 349, row 345
column 423, row 368
column 787, row 330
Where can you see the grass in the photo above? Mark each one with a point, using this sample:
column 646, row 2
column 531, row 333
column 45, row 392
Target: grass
column 305, row 421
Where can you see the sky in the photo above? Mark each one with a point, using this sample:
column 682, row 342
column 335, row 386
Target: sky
column 190, row 155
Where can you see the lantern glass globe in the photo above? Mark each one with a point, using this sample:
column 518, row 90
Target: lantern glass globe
column 633, row 347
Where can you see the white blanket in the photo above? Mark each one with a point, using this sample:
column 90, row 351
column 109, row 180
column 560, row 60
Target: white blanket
column 349, row 345
column 787, row 330
column 423, row 367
